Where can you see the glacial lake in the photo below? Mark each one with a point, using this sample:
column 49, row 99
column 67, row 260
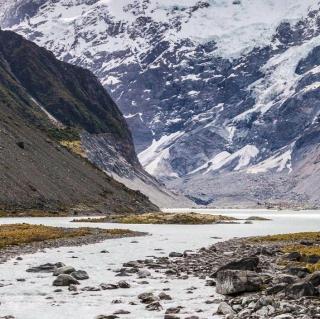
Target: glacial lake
column 35, row 296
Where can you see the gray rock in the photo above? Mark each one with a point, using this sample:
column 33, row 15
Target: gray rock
column 63, row 270
column 65, row 280
column 164, row 296
column 301, row 289
column 314, row 278
column 175, row 255
column 123, row 284
column 225, row 309
column 148, row 298
column 80, row 275
column 231, row 282
column 109, row 286
column 45, row 268
column 155, row 306
column 248, row 263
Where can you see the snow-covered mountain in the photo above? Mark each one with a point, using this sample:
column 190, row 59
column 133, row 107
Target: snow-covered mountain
column 222, row 96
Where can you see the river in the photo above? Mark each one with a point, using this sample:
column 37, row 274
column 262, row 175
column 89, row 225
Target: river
column 35, row 298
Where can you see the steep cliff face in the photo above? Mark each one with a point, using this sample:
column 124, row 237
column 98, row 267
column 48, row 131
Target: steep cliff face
column 36, row 171
column 218, row 94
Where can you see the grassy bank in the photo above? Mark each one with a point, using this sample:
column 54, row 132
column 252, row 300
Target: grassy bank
column 161, row 218
column 307, row 244
column 22, row 234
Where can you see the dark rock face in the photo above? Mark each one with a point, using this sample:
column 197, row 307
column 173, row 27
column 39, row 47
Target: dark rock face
column 37, row 172
column 248, row 263
column 251, row 118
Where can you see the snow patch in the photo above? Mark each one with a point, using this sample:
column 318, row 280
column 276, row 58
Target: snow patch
column 153, row 159
column 244, row 157
column 277, row 162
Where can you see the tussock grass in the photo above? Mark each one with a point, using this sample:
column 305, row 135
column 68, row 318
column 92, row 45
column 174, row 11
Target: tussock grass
column 19, row 234
column 313, row 236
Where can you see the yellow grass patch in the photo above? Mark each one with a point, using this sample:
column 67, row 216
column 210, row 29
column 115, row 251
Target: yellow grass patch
column 19, row 234
column 75, row 147
column 161, row 218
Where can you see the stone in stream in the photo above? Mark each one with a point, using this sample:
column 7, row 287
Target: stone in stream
column 65, row 280
column 63, row 270
column 123, row 284
column 148, row 298
column 155, row 306
column 80, row 275
column 230, row 282
column 46, row 268
column 164, row 296
column 173, row 310
column 109, row 286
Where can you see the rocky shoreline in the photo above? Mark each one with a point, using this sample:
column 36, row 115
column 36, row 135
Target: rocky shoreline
column 272, row 277
column 255, row 279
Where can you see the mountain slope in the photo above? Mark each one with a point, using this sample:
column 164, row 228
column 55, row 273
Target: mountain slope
column 221, row 96
column 37, row 173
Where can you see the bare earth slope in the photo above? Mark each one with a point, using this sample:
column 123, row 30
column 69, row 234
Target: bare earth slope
column 35, row 171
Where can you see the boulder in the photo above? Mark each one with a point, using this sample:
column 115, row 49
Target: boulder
column 301, row 289
column 63, row 270
column 314, row 278
column 230, row 282
column 164, row 296
column 301, row 272
column 225, row 309
column 248, row 263
column 155, row 306
column 65, row 280
column 123, row 284
column 148, row 298
column 294, row 256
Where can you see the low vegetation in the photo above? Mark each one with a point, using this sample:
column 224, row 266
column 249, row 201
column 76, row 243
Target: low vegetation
column 33, row 213
column 307, row 244
column 313, row 236
column 161, row 218
column 75, row 147
column 20, row 234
